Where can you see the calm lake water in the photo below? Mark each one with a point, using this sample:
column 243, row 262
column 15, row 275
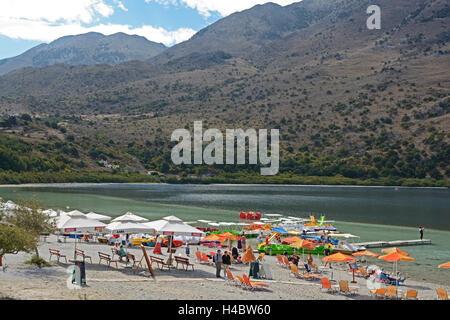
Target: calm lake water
column 373, row 213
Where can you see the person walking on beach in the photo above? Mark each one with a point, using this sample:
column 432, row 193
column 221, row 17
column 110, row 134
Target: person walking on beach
column 226, row 262
column 421, row 232
column 218, row 261
column 310, row 261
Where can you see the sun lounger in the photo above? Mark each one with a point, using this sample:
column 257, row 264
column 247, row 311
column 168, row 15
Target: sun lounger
column 254, row 285
column 345, row 289
column 280, row 260
column 286, row 262
column 231, row 279
column 310, row 276
column 294, row 271
column 391, row 292
column 363, row 272
column 326, row 285
column 54, row 252
column 243, row 284
column 441, row 294
column 199, row 257
column 411, row 294
column 261, row 256
column 206, row 259
column 379, row 293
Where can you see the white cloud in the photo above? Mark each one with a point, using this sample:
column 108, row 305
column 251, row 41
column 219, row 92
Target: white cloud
column 45, row 31
column 224, row 7
column 120, row 5
column 47, row 20
column 55, row 10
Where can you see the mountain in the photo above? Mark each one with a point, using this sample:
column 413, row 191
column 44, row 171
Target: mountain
column 85, row 49
column 348, row 101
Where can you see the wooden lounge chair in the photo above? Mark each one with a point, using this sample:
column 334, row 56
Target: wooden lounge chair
column 254, row 285
column 411, row 294
column 441, row 294
column 391, row 292
column 261, row 256
column 379, row 293
column 326, row 285
column 345, row 289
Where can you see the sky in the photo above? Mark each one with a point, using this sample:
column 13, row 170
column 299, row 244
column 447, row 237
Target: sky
column 27, row 23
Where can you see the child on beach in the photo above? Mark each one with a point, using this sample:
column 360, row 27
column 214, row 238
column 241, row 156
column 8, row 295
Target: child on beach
column 187, row 248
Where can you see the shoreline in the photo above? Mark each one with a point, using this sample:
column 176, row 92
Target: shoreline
column 81, row 184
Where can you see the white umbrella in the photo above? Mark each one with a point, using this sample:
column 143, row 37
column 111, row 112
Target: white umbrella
column 77, row 222
column 51, row 213
column 96, row 216
column 174, row 226
column 129, row 227
column 76, row 212
column 130, row 217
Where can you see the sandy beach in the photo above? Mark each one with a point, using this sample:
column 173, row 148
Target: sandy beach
column 22, row 281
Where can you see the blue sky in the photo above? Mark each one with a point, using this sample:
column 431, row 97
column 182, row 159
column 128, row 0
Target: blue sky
column 27, row 23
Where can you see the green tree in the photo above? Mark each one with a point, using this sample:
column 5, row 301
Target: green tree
column 28, row 216
column 14, row 239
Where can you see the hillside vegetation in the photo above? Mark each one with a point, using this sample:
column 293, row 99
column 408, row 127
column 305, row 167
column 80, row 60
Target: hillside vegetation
column 353, row 106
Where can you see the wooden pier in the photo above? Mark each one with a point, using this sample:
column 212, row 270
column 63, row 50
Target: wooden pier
column 395, row 243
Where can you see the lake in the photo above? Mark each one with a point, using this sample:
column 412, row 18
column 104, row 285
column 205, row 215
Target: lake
column 373, row 213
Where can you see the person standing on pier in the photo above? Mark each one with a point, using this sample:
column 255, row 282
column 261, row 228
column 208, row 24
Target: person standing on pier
column 421, row 232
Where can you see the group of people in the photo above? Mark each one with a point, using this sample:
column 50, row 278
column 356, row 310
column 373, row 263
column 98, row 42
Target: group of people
column 295, row 259
column 222, row 260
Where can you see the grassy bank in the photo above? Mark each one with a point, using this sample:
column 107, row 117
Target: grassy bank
column 236, row 178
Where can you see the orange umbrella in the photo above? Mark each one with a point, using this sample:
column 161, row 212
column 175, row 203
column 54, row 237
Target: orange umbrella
column 394, row 249
column 213, row 237
column 444, row 265
column 292, row 239
column 304, row 244
column 338, row 257
column 248, row 255
column 365, row 253
column 228, row 236
column 395, row 257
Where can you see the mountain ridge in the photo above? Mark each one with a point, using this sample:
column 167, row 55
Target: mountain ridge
column 85, row 49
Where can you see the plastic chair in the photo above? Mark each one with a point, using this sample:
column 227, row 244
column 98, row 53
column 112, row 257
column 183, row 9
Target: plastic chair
column 326, row 284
